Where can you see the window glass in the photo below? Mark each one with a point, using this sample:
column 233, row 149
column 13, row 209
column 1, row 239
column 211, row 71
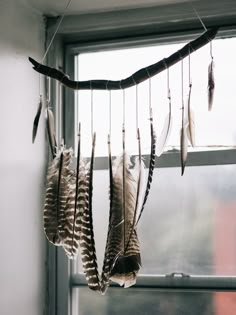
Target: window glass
column 149, row 302
column 188, row 224
column 213, row 129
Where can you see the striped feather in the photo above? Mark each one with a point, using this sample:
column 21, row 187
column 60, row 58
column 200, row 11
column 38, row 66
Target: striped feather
column 121, row 264
column 58, row 187
column 87, row 243
column 75, row 206
column 36, row 119
column 150, row 170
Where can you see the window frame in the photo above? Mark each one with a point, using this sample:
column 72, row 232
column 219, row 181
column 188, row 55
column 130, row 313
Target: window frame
column 62, row 276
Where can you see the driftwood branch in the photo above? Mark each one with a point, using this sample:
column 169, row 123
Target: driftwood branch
column 138, row 77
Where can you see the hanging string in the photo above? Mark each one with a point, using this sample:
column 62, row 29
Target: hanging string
column 91, row 110
column 57, row 28
column 123, row 108
column 182, row 87
column 48, row 92
column 137, row 117
column 199, row 18
column 52, row 39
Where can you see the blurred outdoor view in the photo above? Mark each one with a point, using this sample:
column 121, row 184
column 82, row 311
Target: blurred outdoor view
column 189, row 222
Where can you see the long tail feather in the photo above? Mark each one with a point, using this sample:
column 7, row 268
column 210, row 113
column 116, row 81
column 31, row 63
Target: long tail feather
column 87, row 243
column 51, row 132
column 165, row 134
column 211, row 84
column 150, row 171
column 58, row 182
column 119, row 266
column 105, row 281
column 36, row 119
column 73, row 209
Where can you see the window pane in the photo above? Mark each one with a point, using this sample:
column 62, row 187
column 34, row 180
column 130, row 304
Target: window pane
column 150, row 302
column 215, row 128
column 188, row 225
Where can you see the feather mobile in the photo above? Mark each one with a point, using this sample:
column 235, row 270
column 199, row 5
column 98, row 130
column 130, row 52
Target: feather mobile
column 51, row 131
column 58, row 186
column 87, row 243
column 211, row 84
column 191, row 120
column 164, row 136
column 36, row 119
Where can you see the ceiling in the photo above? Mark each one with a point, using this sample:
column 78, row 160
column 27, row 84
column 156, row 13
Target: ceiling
column 76, row 7
column 57, row 7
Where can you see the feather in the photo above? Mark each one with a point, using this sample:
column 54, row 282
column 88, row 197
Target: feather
column 51, row 132
column 74, row 207
column 151, row 169
column 184, row 147
column 58, row 183
column 106, row 266
column 36, row 119
column 191, row 120
column 211, row 84
column 121, row 264
column 138, row 174
column 87, row 243
column 164, row 136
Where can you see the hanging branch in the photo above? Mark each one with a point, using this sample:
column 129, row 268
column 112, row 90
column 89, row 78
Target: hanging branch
column 136, row 78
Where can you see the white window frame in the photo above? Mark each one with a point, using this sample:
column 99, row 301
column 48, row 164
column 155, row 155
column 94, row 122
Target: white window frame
column 69, row 42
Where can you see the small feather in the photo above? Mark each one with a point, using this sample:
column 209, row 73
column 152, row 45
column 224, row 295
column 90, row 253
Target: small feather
column 211, row 84
column 51, row 132
column 36, row 119
column 164, row 136
column 191, row 120
column 184, row 147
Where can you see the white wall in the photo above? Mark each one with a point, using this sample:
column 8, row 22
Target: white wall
column 22, row 165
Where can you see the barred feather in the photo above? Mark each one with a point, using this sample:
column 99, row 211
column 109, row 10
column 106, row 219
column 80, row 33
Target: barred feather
column 75, row 207
column 36, row 119
column 150, row 171
column 58, row 187
column 211, row 84
column 121, row 264
column 87, row 243
column 184, row 147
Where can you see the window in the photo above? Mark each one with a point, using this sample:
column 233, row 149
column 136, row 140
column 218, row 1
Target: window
column 187, row 241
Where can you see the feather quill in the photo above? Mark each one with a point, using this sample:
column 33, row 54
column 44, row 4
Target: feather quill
column 51, row 132
column 165, row 134
column 211, row 84
column 36, row 119
column 58, row 186
column 87, row 243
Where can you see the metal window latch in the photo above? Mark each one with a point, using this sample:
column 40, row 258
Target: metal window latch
column 177, row 275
